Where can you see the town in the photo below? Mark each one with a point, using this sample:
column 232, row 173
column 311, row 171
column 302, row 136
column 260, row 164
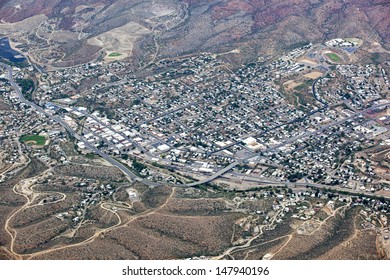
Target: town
column 308, row 131
column 196, row 117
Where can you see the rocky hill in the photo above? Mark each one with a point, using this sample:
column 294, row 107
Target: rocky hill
column 64, row 33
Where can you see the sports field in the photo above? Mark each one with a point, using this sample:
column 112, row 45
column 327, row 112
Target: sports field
column 33, row 140
column 334, row 57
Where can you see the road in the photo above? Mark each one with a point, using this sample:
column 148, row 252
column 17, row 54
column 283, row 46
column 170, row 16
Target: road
column 219, row 173
column 39, row 109
column 258, row 180
column 169, row 113
column 214, row 176
column 316, row 96
column 288, row 141
column 134, row 143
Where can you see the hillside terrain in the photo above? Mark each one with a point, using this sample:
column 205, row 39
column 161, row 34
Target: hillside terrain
column 194, row 129
column 66, row 33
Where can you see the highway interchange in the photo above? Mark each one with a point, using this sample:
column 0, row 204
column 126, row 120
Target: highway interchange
column 217, row 174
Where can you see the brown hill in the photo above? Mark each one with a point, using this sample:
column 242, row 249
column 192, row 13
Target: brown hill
column 165, row 28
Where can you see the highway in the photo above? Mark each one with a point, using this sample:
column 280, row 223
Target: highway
column 214, row 176
column 219, row 173
column 258, row 180
column 295, row 138
column 112, row 161
column 134, row 143
column 290, row 140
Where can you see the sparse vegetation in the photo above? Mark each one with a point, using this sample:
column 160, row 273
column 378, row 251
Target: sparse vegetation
column 114, row 54
column 304, row 85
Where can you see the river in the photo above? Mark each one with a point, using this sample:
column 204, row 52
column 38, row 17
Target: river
column 8, row 53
